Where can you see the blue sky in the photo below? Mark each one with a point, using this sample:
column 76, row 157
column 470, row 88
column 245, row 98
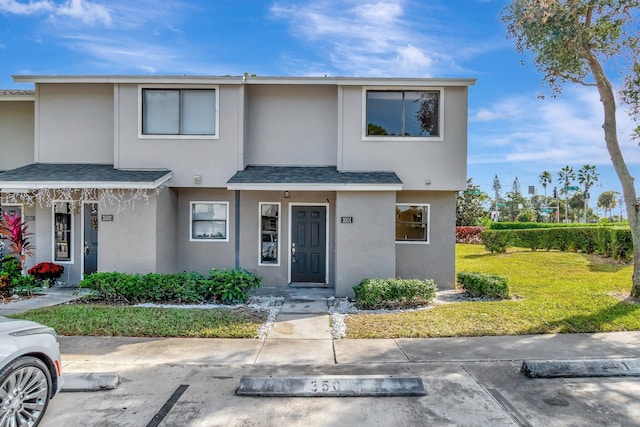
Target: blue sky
column 512, row 132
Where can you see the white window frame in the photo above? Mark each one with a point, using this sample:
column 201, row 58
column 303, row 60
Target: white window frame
column 53, row 233
column 216, row 134
column 279, row 227
column 211, row 239
column 418, row 242
column 381, row 138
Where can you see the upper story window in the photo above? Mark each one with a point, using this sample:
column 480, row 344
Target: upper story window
column 412, row 222
column 403, row 113
column 179, row 112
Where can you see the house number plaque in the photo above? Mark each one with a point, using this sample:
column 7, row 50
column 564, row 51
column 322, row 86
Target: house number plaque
column 346, row 220
column 106, row 218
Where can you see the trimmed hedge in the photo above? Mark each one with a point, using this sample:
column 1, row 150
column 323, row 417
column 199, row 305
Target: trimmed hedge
column 226, row 286
column 610, row 242
column 478, row 284
column 371, row 294
column 527, row 225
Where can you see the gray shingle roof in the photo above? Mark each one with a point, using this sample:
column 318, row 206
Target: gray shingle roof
column 16, row 92
column 310, row 175
column 73, row 173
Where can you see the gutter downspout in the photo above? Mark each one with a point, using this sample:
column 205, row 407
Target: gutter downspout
column 237, row 229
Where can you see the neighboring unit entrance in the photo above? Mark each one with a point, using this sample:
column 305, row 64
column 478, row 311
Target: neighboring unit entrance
column 90, row 238
column 308, row 244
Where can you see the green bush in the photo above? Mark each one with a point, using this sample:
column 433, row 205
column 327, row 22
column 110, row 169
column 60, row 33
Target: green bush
column 371, row 294
column 496, row 241
column 226, row 286
column 479, row 284
column 528, row 225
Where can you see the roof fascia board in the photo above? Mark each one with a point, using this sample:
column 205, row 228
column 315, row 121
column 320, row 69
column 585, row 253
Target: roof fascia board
column 29, row 98
column 8, row 186
column 314, row 187
column 129, row 79
column 258, row 80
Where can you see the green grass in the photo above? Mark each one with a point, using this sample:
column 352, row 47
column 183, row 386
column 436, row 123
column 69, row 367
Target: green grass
column 104, row 320
column 554, row 292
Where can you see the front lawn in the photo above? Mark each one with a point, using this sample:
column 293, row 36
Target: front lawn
column 553, row 292
column 105, row 320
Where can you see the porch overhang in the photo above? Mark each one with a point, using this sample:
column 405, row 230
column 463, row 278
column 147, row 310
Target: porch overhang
column 312, row 178
column 40, row 176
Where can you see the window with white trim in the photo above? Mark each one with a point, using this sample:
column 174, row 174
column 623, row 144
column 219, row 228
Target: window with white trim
column 402, row 113
column 62, row 231
column 412, row 222
column 179, row 112
column 209, row 221
column 269, row 233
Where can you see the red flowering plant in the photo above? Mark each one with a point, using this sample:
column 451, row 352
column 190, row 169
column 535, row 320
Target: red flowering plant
column 46, row 271
column 16, row 232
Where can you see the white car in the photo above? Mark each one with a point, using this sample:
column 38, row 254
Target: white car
column 30, row 371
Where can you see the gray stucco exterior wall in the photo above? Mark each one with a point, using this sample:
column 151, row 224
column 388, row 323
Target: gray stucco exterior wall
column 364, row 248
column 435, row 260
column 16, row 135
column 166, row 231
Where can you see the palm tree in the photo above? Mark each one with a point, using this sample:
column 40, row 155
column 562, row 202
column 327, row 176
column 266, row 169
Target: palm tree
column 607, row 200
column 545, row 179
column 587, row 176
column 565, row 176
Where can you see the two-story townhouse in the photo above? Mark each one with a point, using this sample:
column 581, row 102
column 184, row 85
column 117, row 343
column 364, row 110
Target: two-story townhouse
column 304, row 181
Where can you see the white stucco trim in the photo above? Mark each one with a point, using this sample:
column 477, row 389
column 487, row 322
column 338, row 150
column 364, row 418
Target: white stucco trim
column 313, row 187
column 13, row 186
column 238, row 80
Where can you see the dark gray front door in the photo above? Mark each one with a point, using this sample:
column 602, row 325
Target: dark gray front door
column 90, row 238
column 308, row 244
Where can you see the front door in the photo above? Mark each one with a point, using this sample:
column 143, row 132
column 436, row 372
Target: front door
column 308, row 244
column 90, row 238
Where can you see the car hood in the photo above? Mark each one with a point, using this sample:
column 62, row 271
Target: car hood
column 11, row 325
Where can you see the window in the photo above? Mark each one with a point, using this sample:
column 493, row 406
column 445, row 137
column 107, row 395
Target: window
column 399, row 113
column 269, row 233
column 412, row 223
column 179, row 112
column 62, row 231
column 209, row 221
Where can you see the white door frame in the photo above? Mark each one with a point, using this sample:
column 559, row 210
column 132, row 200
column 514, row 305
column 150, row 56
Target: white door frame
column 327, row 261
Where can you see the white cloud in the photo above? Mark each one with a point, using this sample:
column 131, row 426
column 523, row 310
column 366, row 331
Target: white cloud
column 366, row 39
column 17, row 8
column 565, row 130
column 86, row 11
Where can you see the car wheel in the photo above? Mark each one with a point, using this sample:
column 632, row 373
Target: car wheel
column 25, row 389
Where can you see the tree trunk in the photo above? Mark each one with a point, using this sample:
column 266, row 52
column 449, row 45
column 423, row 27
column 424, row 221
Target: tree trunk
column 628, row 189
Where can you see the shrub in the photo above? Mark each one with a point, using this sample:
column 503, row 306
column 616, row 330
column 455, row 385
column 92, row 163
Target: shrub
column 232, row 285
column 373, row 294
column 469, row 234
column 227, row 286
column 479, row 284
column 496, row 241
column 6, row 285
